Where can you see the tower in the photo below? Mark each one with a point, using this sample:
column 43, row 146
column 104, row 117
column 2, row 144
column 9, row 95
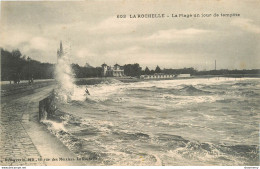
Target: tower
column 60, row 52
column 116, row 66
column 215, row 64
column 104, row 69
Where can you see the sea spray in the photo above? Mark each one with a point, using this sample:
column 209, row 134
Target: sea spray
column 67, row 90
column 64, row 76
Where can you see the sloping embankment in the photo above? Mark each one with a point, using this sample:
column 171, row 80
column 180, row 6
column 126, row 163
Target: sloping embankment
column 11, row 89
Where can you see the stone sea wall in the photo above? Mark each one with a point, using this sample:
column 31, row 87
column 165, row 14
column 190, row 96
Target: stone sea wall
column 47, row 108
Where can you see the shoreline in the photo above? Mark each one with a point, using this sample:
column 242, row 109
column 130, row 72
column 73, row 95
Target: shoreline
column 92, row 81
column 25, row 88
column 10, row 89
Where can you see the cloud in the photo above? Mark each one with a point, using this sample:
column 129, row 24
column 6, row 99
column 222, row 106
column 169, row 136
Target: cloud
column 97, row 36
column 13, row 38
column 82, row 53
column 39, row 43
column 21, row 38
column 38, row 46
column 123, row 52
column 175, row 34
column 246, row 24
column 118, row 25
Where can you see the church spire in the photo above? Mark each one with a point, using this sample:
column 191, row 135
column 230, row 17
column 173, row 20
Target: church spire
column 60, row 52
column 61, row 48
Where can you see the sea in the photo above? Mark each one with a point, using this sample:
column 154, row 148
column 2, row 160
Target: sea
column 196, row 121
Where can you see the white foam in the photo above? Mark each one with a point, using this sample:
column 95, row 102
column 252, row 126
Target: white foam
column 54, row 125
column 104, row 90
column 64, row 77
column 67, row 90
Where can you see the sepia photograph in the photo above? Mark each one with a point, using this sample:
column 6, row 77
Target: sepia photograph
column 130, row 83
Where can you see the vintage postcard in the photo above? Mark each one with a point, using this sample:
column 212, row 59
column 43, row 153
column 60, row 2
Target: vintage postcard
column 130, row 83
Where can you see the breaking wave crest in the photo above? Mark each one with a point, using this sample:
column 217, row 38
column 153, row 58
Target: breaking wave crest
column 161, row 123
column 193, row 90
column 176, row 90
column 82, row 136
column 95, row 81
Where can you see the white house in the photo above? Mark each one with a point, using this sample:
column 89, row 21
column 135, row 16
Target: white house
column 116, row 71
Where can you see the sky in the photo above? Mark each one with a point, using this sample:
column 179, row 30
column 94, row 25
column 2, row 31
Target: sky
column 92, row 33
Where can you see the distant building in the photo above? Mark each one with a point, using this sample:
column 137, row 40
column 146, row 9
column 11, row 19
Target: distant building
column 116, row 71
column 183, row 75
column 163, row 76
column 157, row 76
